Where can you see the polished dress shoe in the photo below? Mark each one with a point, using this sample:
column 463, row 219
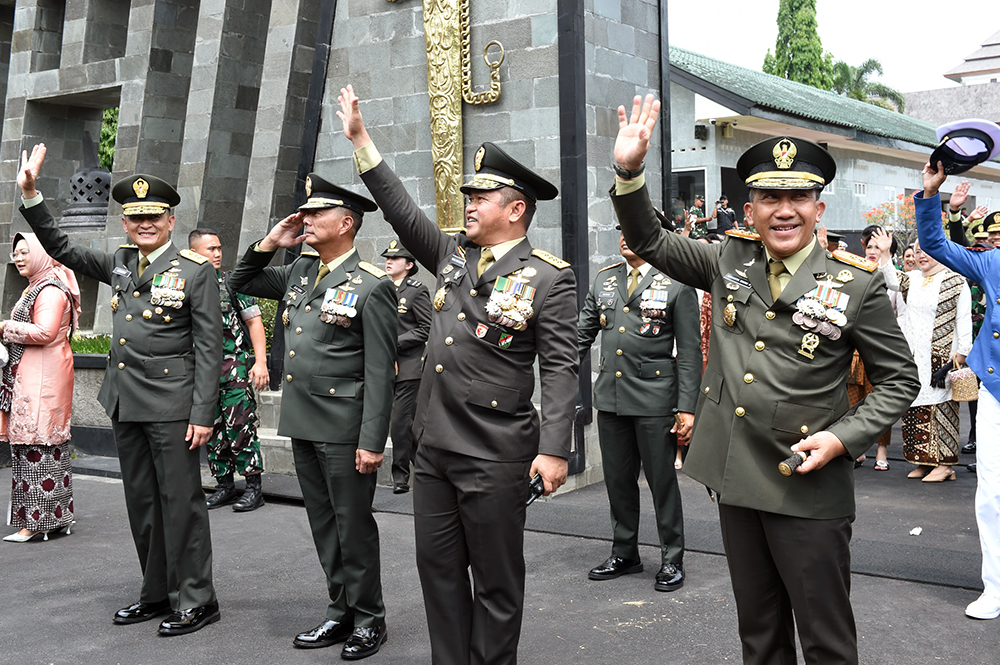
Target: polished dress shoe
column 188, row 621
column 971, row 467
column 364, row 642
column 225, row 493
column 670, row 577
column 969, row 448
column 614, row 567
column 141, row 611
column 253, row 497
column 400, row 488
column 326, row 634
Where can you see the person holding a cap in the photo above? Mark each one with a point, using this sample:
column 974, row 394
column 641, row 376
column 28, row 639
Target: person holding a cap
column 499, row 303
column 983, row 267
column 641, row 385
column 787, row 317
column 160, row 388
column 340, row 341
column 414, row 325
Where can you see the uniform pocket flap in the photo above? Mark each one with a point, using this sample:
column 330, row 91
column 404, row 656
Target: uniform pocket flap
column 333, row 386
column 711, row 386
column 159, row 368
column 800, row 419
column 659, row 370
column 492, row 396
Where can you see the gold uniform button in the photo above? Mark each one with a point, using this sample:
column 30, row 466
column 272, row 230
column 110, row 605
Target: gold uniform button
column 996, row 334
column 288, row 377
column 707, row 389
column 308, row 308
column 729, row 298
column 166, row 371
column 618, row 374
column 135, row 294
column 657, row 372
column 989, row 369
column 461, row 316
column 439, row 368
column 748, row 378
column 740, row 411
column 449, row 341
column 625, row 309
column 122, row 341
column 804, row 429
column 618, row 352
column 291, row 354
column 121, row 365
column 621, row 329
column 769, row 314
column 473, row 293
column 493, row 404
column 333, row 391
column 128, row 317
column 998, row 301
column 298, row 331
column 759, row 345
column 146, row 314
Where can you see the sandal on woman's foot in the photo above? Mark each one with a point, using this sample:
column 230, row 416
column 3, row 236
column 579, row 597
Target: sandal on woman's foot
column 939, row 474
column 881, row 465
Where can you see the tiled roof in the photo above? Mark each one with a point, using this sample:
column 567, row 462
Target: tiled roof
column 773, row 92
column 984, row 61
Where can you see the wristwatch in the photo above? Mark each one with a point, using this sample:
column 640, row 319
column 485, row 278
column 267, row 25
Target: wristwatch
column 625, row 174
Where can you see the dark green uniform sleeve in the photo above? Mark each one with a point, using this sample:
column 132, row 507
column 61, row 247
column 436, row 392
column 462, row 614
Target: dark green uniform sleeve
column 206, row 330
column 421, row 308
column 252, row 276
column 588, row 324
column 558, row 365
column 687, row 336
column 380, row 324
column 87, row 261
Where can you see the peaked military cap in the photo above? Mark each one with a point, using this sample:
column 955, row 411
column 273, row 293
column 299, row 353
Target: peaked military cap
column 324, row 194
column 397, row 249
column 979, row 231
column 144, row 194
column 785, row 162
column 496, row 169
column 992, row 222
column 964, row 144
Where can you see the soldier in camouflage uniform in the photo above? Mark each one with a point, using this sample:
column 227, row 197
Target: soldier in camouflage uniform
column 234, row 446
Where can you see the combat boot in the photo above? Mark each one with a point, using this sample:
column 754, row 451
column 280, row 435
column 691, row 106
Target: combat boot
column 225, row 492
column 253, row 497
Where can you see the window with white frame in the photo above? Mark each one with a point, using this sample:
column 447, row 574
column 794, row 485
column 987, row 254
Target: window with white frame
column 861, row 189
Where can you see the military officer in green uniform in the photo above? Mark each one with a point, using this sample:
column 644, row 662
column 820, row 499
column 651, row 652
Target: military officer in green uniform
column 641, row 313
column 340, row 345
column 160, row 388
column 499, row 304
column 414, row 325
column 787, row 317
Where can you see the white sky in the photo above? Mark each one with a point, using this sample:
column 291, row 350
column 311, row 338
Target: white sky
column 915, row 41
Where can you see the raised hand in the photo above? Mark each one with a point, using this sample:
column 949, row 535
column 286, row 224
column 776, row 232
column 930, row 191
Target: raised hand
column 978, row 213
column 635, row 132
column 883, row 240
column 350, row 115
column 27, row 174
column 960, row 195
column 933, row 179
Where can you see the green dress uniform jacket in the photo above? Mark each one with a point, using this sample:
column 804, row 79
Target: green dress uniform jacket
column 762, row 392
column 638, row 374
column 414, row 311
column 338, row 381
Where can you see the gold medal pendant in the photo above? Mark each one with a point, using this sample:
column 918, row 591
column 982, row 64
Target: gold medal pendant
column 439, row 298
column 284, row 317
column 809, row 343
column 729, row 315
column 114, row 302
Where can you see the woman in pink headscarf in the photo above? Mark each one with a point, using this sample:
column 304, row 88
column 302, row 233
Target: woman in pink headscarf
column 36, row 393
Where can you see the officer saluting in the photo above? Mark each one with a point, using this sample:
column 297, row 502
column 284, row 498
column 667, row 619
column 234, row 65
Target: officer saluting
column 340, row 337
column 160, row 388
column 414, row 325
column 498, row 304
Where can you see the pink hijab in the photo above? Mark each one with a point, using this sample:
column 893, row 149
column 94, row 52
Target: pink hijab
column 41, row 266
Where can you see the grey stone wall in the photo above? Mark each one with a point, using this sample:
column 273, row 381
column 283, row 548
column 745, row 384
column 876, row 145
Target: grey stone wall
column 949, row 104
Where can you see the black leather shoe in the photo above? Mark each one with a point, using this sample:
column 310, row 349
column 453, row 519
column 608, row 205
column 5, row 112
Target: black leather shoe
column 141, row 611
column 971, row 467
column 670, row 577
column 253, row 497
column 225, row 494
column 326, row 634
column 188, row 621
column 969, row 448
column 615, row 567
column 365, row 642
column 401, row 488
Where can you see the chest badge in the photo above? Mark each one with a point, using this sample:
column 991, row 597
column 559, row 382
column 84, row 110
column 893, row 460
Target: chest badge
column 809, row 343
column 729, row 315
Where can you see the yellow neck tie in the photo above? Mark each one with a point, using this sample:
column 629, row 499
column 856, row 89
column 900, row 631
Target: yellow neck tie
column 633, row 281
column 775, row 268
column 485, row 260
column 143, row 264
column 323, row 272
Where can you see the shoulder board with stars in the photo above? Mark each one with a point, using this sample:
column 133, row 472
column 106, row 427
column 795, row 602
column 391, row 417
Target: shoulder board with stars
column 746, row 235
column 613, row 265
column 368, row 267
column 193, row 256
column 551, row 259
column 413, row 282
column 854, row 260
column 309, row 253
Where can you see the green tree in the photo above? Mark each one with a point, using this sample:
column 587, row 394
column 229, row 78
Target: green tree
column 798, row 51
column 109, row 130
column 854, row 82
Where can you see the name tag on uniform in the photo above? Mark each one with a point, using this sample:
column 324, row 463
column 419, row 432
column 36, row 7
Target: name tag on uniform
column 121, row 270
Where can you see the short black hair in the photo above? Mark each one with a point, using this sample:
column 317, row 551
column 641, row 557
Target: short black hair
column 201, row 231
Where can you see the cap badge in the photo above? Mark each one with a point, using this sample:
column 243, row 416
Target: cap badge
column 784, row 154
column 392, row 245
column 140, row 187
column 996, row 218
column 309, row 186
column 479, row 157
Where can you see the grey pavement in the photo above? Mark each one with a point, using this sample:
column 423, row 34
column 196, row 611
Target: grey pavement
column 909, row 592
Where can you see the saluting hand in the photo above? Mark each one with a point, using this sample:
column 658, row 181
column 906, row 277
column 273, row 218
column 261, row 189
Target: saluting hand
column 350, row 115
column 823, row 447
column 553, row 469
column 198, row 435
column 285, row 233
column 635, row 132
column 27, row 174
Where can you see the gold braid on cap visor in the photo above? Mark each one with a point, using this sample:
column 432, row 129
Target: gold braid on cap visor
column 144, row 208
column 320, row 202
column 785, row 180
column 488, row 181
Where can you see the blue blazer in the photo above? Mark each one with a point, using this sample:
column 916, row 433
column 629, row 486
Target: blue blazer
column 982, row 267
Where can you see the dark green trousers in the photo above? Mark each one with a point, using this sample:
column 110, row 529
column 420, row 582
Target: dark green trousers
column 626, row 443
column 339, row 506
column 167, row 512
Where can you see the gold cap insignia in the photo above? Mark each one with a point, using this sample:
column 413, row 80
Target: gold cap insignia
column 392, row 245
column 784, row 154
column 996, row 218
column 479, row 157
column 845, row 276
column 309, row 186
column 140, row 187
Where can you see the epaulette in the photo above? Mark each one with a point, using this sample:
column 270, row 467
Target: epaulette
column 413, row 282
column 368, row 267
column 310, row 254
column 613, row 265
column 193, row 256
column 551, row 259
column 128, row 246
column 854, row 260
column 740, row 233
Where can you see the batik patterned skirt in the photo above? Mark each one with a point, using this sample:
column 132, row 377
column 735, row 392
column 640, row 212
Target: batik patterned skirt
column 930, row 434
column 41, row 496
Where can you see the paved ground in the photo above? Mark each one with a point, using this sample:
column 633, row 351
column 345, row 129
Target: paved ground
column 909, row 591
